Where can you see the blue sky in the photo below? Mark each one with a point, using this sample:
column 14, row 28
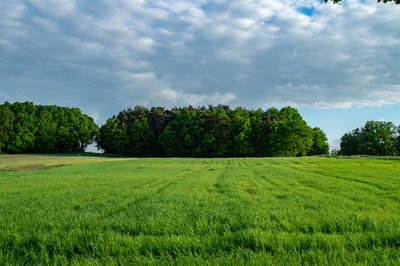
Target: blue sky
column 338, row 64
column 335, row 122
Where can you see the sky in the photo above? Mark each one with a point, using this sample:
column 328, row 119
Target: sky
column 338, row 64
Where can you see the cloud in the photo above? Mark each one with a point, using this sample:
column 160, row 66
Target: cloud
column 107, row 55
column 54, row 8
column 182, row 98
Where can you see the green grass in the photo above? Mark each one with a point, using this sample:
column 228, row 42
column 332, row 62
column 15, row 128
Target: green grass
column 101, row 210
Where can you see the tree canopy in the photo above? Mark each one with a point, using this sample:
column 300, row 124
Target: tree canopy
column 29, row 128
column 384, row 1
column 216, row 131
column 375, row 138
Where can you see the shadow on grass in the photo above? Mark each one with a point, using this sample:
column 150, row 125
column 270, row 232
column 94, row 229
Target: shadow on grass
column 362, row 157
column 86, row 154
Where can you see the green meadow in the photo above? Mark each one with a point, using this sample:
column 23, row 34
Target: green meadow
column 109, row 211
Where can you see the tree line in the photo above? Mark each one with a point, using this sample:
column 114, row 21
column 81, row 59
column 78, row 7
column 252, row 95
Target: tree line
column 216, row 131
column 29, row 128
column 375, row 138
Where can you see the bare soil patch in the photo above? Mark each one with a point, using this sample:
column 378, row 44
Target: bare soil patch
column 30, row 167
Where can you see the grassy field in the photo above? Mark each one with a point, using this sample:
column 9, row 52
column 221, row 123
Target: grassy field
column 97, row 210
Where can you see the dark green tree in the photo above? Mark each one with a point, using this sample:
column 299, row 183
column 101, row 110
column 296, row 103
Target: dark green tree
column 218, row 124
column 271, row 115
column 350, row 143
column 216, row 131
column 398, row 140
column 6, row 125
column 128, row 116
column 87, row 131
column 258, row 136
column 289, row 135
column 140, row 138
column 184, row 136
column 320, row 142
column 241, row 133
column 46, row 139
column 375, row 138
column 113, row 137
column 378, row 138
column 74, row 130
column 29, row 128
column 22, row 139
column 159, row 118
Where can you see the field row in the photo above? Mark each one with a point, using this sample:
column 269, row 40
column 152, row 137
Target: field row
column 199, row 211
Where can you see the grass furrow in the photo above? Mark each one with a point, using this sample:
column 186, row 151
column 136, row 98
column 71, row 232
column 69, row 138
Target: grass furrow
column 202, row 211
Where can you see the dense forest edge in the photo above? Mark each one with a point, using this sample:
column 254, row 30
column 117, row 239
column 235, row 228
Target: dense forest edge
column 213, row 131
column 216, row 131
column 378, row 138
column 29, row 128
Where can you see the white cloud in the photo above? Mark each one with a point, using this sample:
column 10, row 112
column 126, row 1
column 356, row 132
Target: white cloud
column 180, row 98
column 174, row 52
column 57, row 8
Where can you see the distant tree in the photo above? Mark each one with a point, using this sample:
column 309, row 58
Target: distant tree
column 159, row 118
column 398, row 140
column 222, row 132
column 241, row 130
column 169, row 140
column 335, row 152
column 22, row 139
column 113, row 137
column 258, row 136
column 350, row 143
column 29, row 128
column 87, row 131
column 375, row 138
column 65, row 132
column 216, row 131
column 128, row 116
column 320, row 144
column 271, row 115
column 218, row 125
column 185, row 136
column 46, row 139
column 289, row 135
column 75, row 131
column 6, row 125
column 378, row 138
column 140, row 138
column 384, row 1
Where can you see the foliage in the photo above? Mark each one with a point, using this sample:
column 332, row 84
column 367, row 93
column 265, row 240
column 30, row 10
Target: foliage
column 7, row 118
column 241, row 130
column 113, row 136
column 384, row 1
column 320, row 145
column 289, row 135
column 216, row 131
column 29, row 128
column 219, row 211
column 375, row 138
